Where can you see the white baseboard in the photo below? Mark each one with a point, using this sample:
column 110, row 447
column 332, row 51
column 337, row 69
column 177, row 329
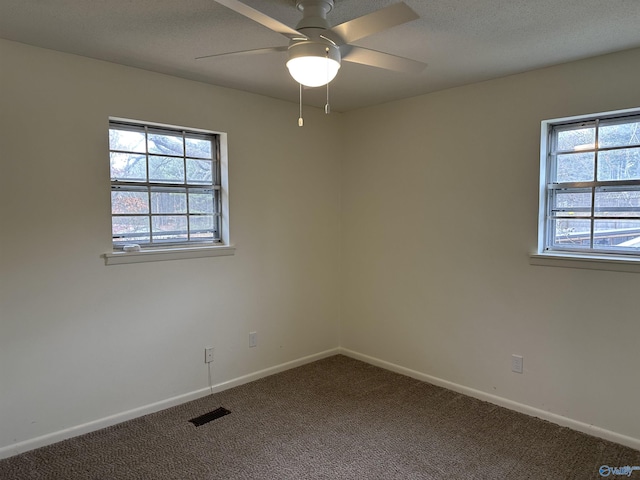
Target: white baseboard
column 48, row 439
column 273, row 370
column 496, row 400
column 60, row 435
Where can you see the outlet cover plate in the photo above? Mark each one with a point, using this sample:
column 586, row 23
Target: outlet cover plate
column 517, row 363
column 208, row 355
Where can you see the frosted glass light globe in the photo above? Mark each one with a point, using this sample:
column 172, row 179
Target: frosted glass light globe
column 313, row 71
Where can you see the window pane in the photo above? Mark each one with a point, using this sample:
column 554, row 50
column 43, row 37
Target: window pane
column 202, row 226
column 619, row 164
column 575, row 167
column 184, row 207
column 200, row 202
column 572, row 203
column 166, row 169
column 168, row 202
column 576, row 138
column 128, row 167
column 614, row 202
column 572, row 233
column 129, row 202
column 127, row 140
column 169, row 228
column 199, row 148
column 165, row 143
column 617, row 234
column 199, row 171
column 619, row 134
column 130, row 229
column 582, row 215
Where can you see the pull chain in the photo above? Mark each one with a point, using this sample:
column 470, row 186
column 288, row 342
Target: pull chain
column 300, row 119
column 327, row 108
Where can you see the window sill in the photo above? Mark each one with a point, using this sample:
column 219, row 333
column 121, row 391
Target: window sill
column 162, row 254
column 591, row 262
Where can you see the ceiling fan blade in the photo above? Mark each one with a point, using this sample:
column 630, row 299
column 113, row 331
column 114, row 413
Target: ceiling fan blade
column 261, row 18
column 373, row 58
column 247, row 52
column 375, row 22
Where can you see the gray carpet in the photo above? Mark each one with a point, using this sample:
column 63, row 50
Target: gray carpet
column 337, row 418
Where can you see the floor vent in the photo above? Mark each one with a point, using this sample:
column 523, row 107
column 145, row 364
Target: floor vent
column 209, row 417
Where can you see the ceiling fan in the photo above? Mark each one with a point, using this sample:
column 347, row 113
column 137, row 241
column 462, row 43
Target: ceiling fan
column 316, row 50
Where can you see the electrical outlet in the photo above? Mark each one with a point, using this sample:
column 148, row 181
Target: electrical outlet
column 253, row 339
column 208, row 355
column 516, row 363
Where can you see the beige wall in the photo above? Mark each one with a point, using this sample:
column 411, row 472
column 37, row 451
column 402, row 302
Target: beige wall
column 434, row 200
column 439, row 217
column 80, row 340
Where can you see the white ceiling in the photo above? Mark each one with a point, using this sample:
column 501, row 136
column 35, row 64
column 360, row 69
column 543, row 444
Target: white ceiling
column 462, row 41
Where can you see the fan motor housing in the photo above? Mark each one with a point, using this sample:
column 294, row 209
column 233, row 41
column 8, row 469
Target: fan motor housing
column 314, row 13
column 313, row 48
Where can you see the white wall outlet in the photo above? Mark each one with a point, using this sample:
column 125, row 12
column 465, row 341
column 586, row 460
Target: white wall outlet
column 208, row 355
column 516, row 363
column 253, row 339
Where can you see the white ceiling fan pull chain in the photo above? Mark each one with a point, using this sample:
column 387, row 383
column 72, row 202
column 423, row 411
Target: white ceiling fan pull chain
column 327, row 108
column 300, row 119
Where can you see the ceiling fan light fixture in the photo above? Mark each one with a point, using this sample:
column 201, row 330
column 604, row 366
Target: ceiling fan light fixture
column 313, row 64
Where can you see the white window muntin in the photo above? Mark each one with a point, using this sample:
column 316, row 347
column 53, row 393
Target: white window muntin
column 581, row 211
column 196, row 219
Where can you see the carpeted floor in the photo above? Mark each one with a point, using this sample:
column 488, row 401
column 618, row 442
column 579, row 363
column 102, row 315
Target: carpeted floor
column 337, row 418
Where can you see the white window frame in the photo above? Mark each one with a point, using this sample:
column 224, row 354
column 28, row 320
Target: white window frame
column 591, row 257
column 151, row 252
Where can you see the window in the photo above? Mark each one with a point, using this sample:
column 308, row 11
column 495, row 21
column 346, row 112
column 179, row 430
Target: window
column 590, row 185
column 165, row 186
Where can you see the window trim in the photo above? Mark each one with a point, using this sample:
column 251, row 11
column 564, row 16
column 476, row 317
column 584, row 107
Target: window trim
column 583, row 261
column 222, row 247
column 596, row 260
column 161, row 254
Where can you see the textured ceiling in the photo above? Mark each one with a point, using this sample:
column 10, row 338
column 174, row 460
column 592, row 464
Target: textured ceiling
column 462, row 41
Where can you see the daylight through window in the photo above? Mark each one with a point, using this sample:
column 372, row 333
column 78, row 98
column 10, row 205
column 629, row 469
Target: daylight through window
column 591, row 182
column 165, row 185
